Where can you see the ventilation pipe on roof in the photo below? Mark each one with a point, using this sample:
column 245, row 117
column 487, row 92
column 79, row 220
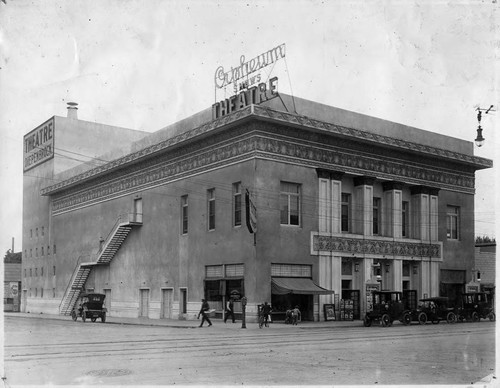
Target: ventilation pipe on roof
column 72, row 110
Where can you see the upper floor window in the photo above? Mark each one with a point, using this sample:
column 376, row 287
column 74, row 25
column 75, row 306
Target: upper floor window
column 345, row 219
column 48, row 250
column 405, row 219
column 376, row 215
column 43, row 231
column 211, row 209
column 31, row 233
column 452, row 222
column 237, row 204
column 290, row 203
column 184, row 211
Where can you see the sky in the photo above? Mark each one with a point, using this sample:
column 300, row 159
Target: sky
column 147, row 64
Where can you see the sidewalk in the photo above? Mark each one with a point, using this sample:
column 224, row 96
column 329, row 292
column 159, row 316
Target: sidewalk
column 187, row 324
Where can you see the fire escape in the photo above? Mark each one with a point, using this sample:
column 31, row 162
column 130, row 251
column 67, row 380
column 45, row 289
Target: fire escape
column 106, row 253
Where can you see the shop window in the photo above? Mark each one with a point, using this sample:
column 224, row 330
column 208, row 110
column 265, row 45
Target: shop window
column 290, row 203
column 237, row 204
column 211, row 209
column 452, row 222
column 405, row 232
column 376, row 215
column 184, row 212
column 345, row 219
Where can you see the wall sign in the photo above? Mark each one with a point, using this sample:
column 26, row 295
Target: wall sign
column 39, row 145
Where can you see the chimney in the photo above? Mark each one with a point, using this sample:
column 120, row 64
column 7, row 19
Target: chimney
column 72, row 110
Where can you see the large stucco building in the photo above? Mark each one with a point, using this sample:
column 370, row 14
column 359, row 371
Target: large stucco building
column 340, row 203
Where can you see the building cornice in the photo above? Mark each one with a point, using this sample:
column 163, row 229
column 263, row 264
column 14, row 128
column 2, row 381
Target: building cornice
column 267, row 114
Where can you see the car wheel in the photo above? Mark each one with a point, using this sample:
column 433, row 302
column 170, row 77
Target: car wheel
column 73, row 315
column 367, row 322
column 84, row 316
column 406, row 318
column 422, row 318
column 491, row 316
column 386, row 320
column 103, row 317
column 451, row 318
column 475, row 317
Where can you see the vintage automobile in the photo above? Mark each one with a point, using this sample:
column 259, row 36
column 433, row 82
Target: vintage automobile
column 90, row 306
column 474, row 306
column 387, row 306
column 434, row 309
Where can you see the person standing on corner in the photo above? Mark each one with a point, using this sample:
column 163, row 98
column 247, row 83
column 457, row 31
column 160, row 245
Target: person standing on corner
column 203, row 311
column 229, row 310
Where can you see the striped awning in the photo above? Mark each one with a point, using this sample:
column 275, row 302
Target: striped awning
column 304, row 286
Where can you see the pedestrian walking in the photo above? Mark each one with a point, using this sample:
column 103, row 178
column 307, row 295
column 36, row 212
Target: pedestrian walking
column 229, row 310
column 203, row 311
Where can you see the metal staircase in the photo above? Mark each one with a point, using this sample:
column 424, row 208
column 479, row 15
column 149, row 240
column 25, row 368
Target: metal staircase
column 108, row 250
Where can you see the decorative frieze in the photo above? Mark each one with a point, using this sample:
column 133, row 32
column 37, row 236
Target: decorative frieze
column 322, row 244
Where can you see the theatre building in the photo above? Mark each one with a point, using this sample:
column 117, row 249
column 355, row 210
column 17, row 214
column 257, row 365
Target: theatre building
column 281, row 200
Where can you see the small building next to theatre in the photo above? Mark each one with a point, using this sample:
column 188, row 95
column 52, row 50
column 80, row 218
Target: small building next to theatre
column 281, row 200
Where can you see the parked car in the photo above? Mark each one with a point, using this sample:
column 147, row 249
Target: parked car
column 387, row 307
column 434, row 309
column 90, row 306
column 476, row 305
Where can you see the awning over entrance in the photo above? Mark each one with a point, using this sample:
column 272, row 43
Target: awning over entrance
column 282, row 286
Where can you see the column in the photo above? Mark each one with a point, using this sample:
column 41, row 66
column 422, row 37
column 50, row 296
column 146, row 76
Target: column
column 420, row 212
column 397, row 275
column 434, row 213
column 363, row 205
column 392, row 209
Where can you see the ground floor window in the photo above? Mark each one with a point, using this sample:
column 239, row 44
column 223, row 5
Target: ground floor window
column 223, row 282
column 281, row 303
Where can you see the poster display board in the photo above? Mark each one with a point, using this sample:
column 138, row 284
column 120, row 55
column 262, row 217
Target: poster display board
column 329, row 311
column 346, row 310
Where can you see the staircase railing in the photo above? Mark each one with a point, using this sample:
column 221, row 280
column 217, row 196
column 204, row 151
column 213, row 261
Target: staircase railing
column 122, row 218
column 75, row 272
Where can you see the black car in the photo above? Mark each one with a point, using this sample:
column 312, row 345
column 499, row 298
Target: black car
column 435, row 309
column 387, row 307
column 476, row 305
column 90, row 306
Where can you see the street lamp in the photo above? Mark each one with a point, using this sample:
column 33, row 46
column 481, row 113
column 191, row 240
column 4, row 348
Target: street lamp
column 480, row 139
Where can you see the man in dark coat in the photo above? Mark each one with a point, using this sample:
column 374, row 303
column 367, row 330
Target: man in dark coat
column 203, row 311
column 229, row 310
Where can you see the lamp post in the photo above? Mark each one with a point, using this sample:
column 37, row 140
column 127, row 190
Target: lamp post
column 480, row 139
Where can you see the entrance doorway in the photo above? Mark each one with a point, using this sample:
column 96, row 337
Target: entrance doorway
column 167, row 299
column 24, row 301
column 144, row 303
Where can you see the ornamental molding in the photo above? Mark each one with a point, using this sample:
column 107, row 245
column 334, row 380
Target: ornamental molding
column 376, row 248
column 241, row 144
column 267, row 114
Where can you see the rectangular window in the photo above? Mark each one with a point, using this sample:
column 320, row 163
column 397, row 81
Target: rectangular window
column 41, row 292
column 346, row 268
column 48, row 250
column 211, row 209
column 376, row 215
column 36, row 232
column 345, row 212
column 43, row 230
column 291, row 270
column 36, row 271
column 183, row 301
column 31, row 272
column 237, row 203
column 290, row 203
column 36, row 292
column 452, row 222
column 31, row 252
column 54, row 293
column 36, row 252
column 54, row 270
column 31, row 233
column 405, row 218
column 41, row 269
column 42, row 252
column 54, row 250
column 184, row 211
